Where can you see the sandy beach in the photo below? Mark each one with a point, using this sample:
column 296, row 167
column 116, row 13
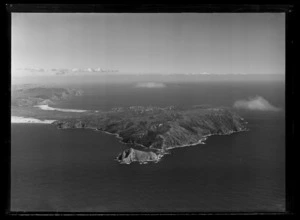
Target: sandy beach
column 48, row 108
column 16, row 119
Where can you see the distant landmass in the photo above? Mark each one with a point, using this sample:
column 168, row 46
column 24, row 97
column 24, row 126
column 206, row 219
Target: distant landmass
column 29, row 95
column 155, row 129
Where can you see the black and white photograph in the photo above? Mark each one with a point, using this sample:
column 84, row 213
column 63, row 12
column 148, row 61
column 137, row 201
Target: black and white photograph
column 148, row 112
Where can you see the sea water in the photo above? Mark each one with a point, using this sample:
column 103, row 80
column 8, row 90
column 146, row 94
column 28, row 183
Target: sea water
column 75, row 170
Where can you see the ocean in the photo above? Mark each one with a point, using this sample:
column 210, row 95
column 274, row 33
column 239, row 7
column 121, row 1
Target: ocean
column 75, row 170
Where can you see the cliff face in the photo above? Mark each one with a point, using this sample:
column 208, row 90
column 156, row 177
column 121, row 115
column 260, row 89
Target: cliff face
column 162, row 128
column 131, row 155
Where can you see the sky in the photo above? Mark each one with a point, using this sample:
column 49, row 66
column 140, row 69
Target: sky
column 217, row 43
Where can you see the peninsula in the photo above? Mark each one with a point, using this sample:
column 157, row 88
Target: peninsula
column 156, row 129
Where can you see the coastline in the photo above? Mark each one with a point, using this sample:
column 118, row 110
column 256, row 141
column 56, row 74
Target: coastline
column 163, row 151
column 23, row 120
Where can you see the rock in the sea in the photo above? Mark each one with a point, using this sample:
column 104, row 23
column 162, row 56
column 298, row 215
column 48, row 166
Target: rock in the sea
column 131, row 155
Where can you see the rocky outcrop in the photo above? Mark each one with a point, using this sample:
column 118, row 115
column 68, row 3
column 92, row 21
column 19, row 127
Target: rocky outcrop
column 69, row 124
column 132, row 155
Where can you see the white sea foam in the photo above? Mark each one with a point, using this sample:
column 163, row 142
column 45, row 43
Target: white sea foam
column 17, row 119
column 48, row 108
column 201, row 141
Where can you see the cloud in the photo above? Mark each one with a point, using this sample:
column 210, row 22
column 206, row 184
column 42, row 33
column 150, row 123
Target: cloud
column 150, row 85
column 256, row 103
column 61, row 72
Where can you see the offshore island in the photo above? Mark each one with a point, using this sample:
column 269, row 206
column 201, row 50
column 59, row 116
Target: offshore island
column 154, row 129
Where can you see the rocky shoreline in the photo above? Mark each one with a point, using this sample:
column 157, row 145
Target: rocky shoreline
column 160, row 130
column 154, row 154
column 132, row 155
column 127, row 158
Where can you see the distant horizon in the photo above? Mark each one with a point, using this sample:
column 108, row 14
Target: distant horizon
column 63, row 73
column 101, row 73
column 160, row 43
